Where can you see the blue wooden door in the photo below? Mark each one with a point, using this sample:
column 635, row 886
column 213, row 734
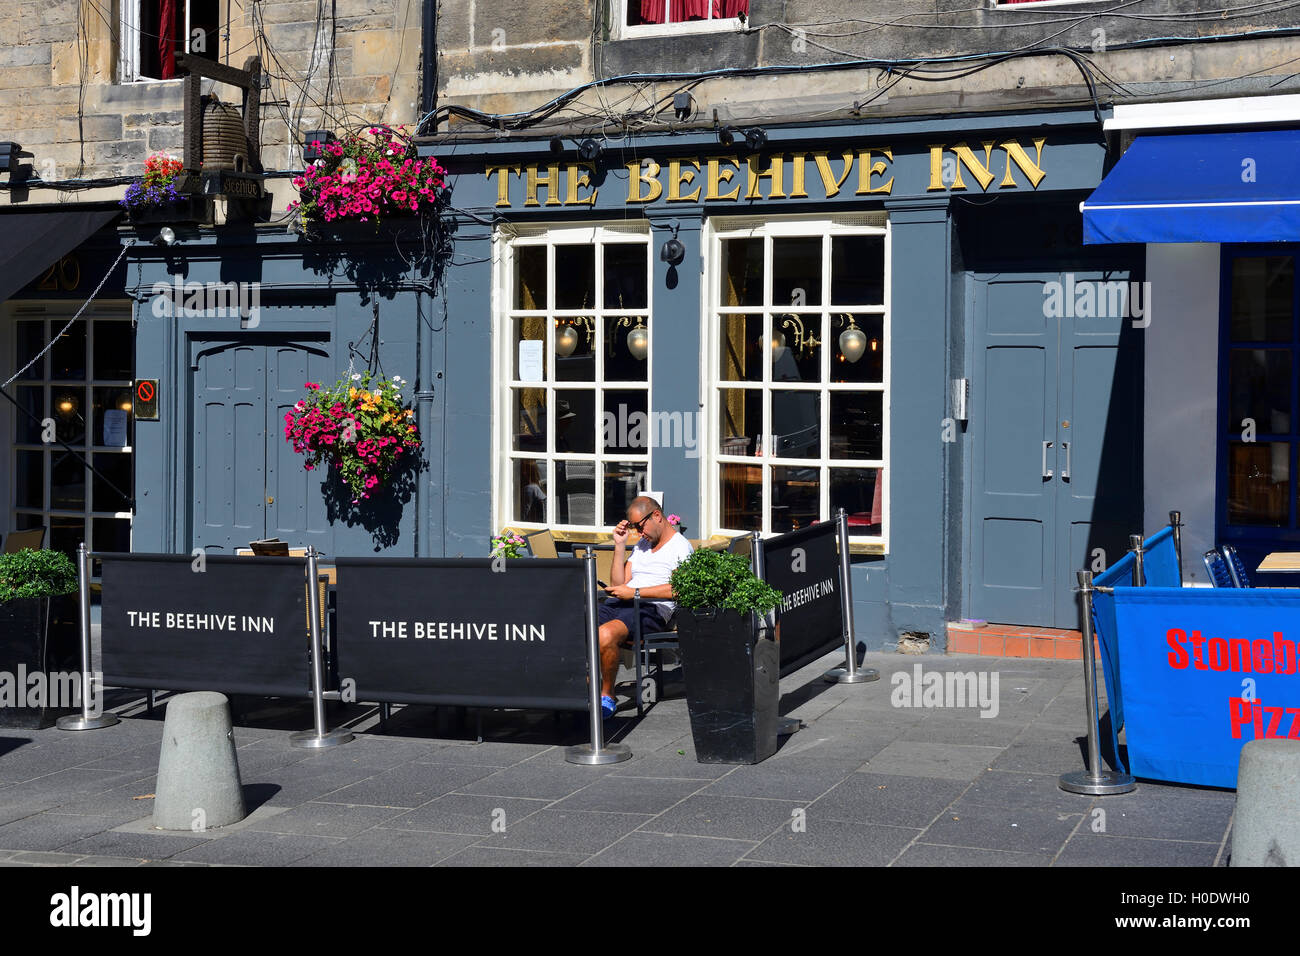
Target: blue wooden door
column 247, row 483
column 1055, row 442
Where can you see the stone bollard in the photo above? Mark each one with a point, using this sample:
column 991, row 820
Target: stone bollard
column 198, row 772
column 1266, row 827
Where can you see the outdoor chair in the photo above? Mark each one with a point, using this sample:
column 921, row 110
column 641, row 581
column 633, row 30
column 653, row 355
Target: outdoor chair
column 542, row 544
column 17, row 541
column 1236, row 568
column 643, row 645
column 1217, row 567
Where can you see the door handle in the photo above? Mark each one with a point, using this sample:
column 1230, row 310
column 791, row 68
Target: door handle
column 1047, row 472
column 1065, row 472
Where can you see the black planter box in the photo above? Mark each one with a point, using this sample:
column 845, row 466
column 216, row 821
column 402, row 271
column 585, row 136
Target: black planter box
column 37, row 635
column 191, row 209
column 732, row 686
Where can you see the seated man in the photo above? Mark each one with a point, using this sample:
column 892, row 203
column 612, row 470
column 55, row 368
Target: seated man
column 645, row 574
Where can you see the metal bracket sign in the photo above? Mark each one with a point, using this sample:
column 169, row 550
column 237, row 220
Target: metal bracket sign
column 145, row 398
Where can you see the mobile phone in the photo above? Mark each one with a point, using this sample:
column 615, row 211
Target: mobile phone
column 602, row 584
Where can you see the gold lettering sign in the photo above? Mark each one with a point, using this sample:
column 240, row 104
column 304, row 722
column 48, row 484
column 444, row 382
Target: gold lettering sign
column 717, row 176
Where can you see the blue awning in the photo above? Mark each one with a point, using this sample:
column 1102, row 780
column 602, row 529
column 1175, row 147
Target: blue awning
column 1204, row 187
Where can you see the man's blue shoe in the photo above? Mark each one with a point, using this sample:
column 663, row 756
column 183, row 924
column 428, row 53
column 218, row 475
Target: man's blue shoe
column 607, row 706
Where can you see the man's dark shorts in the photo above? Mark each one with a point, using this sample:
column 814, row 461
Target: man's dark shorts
column 652, row 622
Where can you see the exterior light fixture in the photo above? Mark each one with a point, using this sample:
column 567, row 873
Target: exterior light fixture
column 8, row 156
column 313, row 142
column 673, row 251
column 557, row 145
column 166, row 237
column 726, row 136
column 755, row 138
column 589, row 150
column 853, row 342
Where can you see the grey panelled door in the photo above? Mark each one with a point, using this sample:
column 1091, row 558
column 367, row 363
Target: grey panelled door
column 246, row 481
column 1055, row 456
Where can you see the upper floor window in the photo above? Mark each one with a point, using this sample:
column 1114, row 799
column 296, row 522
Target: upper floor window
column 154, row 31
column 663, row 17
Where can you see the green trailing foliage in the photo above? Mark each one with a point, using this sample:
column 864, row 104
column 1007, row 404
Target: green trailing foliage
column 36, row 574
column 715, row 579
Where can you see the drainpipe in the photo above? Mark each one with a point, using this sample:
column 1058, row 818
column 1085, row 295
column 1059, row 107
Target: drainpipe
column 429, row 58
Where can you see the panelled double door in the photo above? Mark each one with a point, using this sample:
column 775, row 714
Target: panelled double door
column 1055, row 439
column 246, row 481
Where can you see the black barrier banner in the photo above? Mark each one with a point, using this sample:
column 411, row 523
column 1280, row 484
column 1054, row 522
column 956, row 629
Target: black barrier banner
column 176, row 622
column 804, row 566
column 440, row 631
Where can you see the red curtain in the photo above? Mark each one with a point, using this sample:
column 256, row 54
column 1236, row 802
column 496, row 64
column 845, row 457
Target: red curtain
column 734, row 8
column 656, row 11
column 166, row 41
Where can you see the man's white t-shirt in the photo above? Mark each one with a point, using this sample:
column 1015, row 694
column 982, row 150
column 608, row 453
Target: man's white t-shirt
column 650, row 568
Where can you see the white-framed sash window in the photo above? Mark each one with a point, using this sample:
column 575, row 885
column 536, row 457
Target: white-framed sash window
column 571, row 402
column 150, row 26
column 797, row 372
column 656, row 18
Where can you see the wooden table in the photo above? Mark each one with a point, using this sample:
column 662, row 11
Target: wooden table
column 1281, row 562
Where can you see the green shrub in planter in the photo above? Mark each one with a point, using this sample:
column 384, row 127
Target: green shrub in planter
column 36, row 574
column 716, row 579
column 732, row 670
column 38, row 626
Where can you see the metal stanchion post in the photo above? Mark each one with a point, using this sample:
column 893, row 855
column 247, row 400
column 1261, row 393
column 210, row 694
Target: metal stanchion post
column 1176, row 522
column 597, row 752
column 85, row 720
column 1094, row 781
column 1139, row 572
column 850, row 673
column 320, row 737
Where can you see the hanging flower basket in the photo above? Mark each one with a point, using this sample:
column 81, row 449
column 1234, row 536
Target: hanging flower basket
column 155, row 199
column 364, row 432
column 367, row 178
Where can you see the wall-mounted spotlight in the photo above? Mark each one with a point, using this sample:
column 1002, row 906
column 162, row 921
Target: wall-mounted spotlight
column 673, row 251
column 9, row 156
column 166, row 237
column 313, row 142
column 589, row 150
column 557, row 145
column 726, row 136
column 755, row 138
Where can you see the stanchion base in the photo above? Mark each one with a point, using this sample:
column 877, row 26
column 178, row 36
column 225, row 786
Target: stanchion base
column 1105, row 784
column 309, row 740
column 841, row 675
column 785, row 726
column 77, row 722
column 586, row 755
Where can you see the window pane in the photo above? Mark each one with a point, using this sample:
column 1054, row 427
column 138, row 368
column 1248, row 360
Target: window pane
column 741, row 488
column 114, row 344
column 626, row 338
column 796, row 348
column 31, row 401
column 797, row 271
column 69, row 407
column 110, row 534
column 796, row 424
column 29, row 491
column 575, row 270
column 795, row 498
column 575, row 351
column 741, row 336
column 624, row 480
column 858, row 270
column 742, row 272
column 66, row 533
column 626, row 275
column 1259, row 475
column 115, row 429
column 529, row 418
column 68, row 357
column 31, row 339
column 857, row 429
column 529, row 353
column 858, row 492
column 575, row 421
column 530, row 277
column 1259, row 389
column 740, row 421
column 1262, row 297
column 67, row 482
column 625, row 426
column 112, row 492
column 575, row 482
column 862, row 336
column 530, row 490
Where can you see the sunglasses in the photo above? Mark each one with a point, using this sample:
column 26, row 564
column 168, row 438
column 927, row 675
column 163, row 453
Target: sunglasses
column 640, row 525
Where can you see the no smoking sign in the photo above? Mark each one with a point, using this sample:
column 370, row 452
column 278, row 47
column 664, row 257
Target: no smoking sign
column 146, row 400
